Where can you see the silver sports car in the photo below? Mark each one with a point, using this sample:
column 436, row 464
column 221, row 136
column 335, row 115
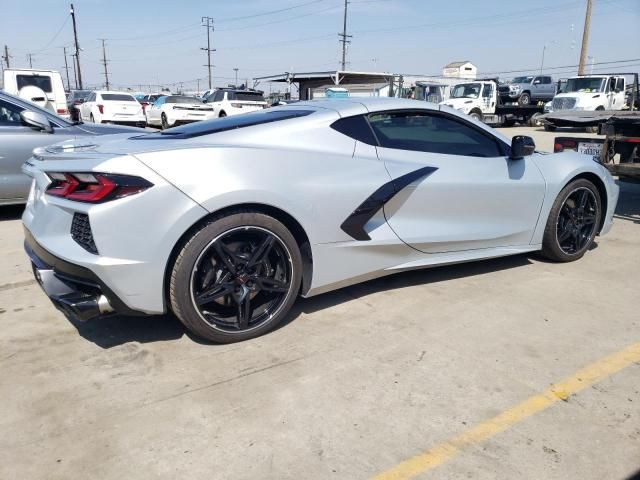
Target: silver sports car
column 225, row 222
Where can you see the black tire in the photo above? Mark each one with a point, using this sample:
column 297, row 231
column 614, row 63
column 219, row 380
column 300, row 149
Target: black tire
column 509, row 123
column 525, row 99
column 222, row 114
column 550, row 128
column 476, row 114
column 584, row 225
column 163, row 122
column 533, row 120
column 91, row 119
column 200, row 259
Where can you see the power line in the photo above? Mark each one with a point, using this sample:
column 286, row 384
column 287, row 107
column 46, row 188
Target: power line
column 66, row 19
column 209, row 26
column 271, row 12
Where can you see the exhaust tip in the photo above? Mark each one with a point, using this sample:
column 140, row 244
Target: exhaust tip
column 82, row 306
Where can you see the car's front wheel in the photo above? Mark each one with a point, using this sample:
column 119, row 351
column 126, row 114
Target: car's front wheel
column 573, row 222
column 236, row 278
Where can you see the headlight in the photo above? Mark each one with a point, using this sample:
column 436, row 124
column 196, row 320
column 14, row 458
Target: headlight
column 515, row 88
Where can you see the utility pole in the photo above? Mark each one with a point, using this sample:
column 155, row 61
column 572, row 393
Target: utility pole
column 66, row 67
column 75, row 74
column 30, row 57
column 77, row 54
column 344, row 36
column 236, row 82
column 104, row 63
column 6, row 56
column 209, row 26
column 585, row 38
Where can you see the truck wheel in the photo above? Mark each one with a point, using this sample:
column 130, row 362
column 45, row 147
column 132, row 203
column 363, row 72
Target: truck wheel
column 476, row 115
column 525, row 99
column 533, row 120
column 509, row 123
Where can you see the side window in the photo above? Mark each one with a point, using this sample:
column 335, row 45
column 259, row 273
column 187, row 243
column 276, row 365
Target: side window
column 10, row 114
column 91, row 97
column 355, row 127
column 159, row 102
column 487, row 90
column 546, row 80
column 620, row 84
column 433, row 133
column 218, row 96
column 536, row 80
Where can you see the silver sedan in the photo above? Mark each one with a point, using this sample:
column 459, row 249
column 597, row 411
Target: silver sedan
column 25, row 126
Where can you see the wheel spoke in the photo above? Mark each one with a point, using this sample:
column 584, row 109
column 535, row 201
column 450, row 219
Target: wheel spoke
column 589, row 219
column 262, row 251
column 565, row 233
column 214, row 293
column 272, row 285
column 226, row 255
column 244, row 312
column 584, row 196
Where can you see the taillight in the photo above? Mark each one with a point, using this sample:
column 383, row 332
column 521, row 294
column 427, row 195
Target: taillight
column 61, row 111
column 562, row 143
column 94, row 187
column 101, row 108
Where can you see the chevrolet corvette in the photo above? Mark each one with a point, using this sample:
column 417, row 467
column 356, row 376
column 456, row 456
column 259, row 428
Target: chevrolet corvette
column 226, row 222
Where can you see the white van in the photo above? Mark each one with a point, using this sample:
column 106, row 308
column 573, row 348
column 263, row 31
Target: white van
column 42, row 87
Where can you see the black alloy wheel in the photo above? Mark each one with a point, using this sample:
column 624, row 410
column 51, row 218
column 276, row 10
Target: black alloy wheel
column 573, row 222
column 242, row 279
column 576, row 224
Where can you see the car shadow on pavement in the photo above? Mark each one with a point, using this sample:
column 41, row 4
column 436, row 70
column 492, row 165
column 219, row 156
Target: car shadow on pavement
column 628, row 207
column 11, row 212
column 116, row 330
column 400, row 280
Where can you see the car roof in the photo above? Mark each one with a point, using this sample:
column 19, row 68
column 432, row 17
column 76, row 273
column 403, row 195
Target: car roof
column 345, row 106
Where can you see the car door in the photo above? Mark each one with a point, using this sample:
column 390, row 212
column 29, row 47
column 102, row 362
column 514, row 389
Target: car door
column 467, row 195
column 488, row 98
column 617, row 97
column 17, row 142
column 85, row 108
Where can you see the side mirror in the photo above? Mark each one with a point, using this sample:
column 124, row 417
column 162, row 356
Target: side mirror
column 521, row 146
column 36, row 120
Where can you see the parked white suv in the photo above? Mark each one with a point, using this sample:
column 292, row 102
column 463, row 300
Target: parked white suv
column 227, row 101
column 112, row 107
column 42, row 87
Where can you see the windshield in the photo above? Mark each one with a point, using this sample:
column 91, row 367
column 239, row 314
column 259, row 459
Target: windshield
column 586, row 85
column 522, row 80
column 466, row 90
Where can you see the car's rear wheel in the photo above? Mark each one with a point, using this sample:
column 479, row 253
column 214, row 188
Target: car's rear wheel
column 476, row 114
column 236, row 278
column 222, row 114
column 573, row 222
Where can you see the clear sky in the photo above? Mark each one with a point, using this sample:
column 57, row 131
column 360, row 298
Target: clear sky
column 158, row 42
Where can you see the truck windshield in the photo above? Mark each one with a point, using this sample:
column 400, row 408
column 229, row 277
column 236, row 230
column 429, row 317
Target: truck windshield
column 466, row 90
column 585, row 84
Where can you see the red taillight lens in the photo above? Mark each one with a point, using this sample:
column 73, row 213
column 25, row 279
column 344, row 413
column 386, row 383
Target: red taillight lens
column 101, row 108
column 61, row 111
column 94, row 187
column 563, row 143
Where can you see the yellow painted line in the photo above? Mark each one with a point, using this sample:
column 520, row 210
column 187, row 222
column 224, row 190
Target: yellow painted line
column 448, row 449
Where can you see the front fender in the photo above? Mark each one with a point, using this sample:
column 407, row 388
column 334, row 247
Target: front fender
column 558, row 169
